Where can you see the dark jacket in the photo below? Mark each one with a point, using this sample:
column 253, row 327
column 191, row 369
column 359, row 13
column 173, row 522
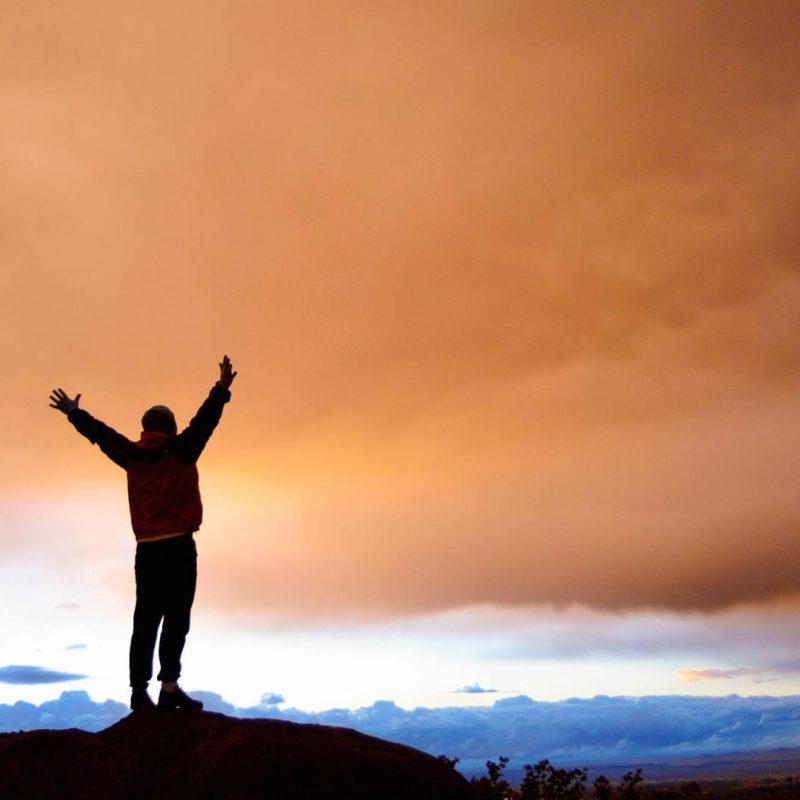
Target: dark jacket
column 163, row 488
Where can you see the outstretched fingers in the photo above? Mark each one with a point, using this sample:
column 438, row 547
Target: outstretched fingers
column 60, row 400
column 226, row 372
column 56, row 397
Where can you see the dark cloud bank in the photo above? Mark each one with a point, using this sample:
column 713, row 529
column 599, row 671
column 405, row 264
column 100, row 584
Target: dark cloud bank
column 28, row 675
column 574, row 731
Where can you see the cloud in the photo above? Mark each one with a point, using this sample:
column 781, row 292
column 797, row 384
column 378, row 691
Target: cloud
column 74, row 709
column 26, row 675
column 694, row 675
column 272, row 699
column 599, row 550
column 575, row 634
column 515, row 318
column 76, row 647
column 474, row 688
column 574, row 731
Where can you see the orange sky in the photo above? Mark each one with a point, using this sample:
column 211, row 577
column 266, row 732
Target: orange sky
column 512, row 288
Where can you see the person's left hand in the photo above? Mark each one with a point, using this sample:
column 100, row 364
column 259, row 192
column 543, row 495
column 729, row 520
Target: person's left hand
column 226, row 373
column 61, row 400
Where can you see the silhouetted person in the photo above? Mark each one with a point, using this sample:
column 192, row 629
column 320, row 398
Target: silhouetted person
column 166, row 510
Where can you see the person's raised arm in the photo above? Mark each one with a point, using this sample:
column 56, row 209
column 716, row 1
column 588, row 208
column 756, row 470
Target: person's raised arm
column 190, row 442
column 116, row 446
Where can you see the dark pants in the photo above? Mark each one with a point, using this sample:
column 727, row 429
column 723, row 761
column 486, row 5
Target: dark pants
column 166, row 576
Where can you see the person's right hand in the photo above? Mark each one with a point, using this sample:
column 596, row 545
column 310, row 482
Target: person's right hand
column 226, row 373
column 60, row 399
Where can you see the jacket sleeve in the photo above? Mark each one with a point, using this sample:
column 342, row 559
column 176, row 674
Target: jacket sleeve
column 116, row 446
column 189, row 443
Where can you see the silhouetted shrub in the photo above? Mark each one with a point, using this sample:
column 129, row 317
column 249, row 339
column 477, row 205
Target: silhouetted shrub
column 543, row 781
column 602, row 788
column 629, row 788
column 494, row 786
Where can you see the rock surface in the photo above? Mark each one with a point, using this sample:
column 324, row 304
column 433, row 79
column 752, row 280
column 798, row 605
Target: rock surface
column 205, row 755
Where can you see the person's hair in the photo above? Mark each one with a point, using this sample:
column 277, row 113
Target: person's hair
column 159, row 418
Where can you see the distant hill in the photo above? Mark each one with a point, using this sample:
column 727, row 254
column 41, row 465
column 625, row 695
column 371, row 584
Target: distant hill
column 209, row 755
column 782, row 763
column 762, row 764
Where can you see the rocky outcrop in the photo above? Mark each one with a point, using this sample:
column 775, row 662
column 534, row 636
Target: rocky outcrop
column 206, row 755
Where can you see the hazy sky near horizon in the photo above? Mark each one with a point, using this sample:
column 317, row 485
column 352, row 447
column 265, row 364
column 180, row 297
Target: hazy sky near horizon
column 512, row 288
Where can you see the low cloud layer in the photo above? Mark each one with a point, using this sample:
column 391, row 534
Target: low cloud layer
column 74, row 709
column 570, row 731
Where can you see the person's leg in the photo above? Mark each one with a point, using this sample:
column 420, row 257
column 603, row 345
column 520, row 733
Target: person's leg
column 146, row 616
column 180, row 584
column 182, row 580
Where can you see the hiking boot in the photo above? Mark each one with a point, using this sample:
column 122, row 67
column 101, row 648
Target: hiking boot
column 177, row 700
column 140, row 701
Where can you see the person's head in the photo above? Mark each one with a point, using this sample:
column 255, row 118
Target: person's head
column 159, row 418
